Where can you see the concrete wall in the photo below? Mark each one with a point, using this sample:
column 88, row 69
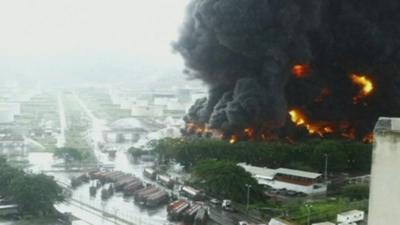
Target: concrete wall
column 385, row 179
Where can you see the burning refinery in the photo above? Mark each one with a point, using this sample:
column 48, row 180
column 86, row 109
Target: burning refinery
column 291, row 69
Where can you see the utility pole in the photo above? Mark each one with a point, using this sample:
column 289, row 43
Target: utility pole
column 248, row 186
column 326, row 168
column 309, row 212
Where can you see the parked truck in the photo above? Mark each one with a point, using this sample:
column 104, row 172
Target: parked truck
column 176, row 209
column 192, row 193
column 156, row 198
column 201, row 217
column 190, row 213
column 107, row 192
column 131, row 188
column 140, row 195
column 166, row 181
column 77, row 181
column 119, row 185
column 150, row 173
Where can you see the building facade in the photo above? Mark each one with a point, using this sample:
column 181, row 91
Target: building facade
column 385, row 181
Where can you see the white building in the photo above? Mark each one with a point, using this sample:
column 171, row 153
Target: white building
column 128, row 130
column 12, row 144
column 294, row 180
column 385, row 182
column 278, row 221
column 349, row 217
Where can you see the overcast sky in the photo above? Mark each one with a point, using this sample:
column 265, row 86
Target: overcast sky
column 88, row 38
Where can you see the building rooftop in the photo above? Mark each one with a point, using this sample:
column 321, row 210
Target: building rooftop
column 260, row 171
column 351, row 212
column 8, row 206
column 298, row 173
column 387, row 124
column 281, row 221
column 270, row 173
column 127, row 124
column 324, row 223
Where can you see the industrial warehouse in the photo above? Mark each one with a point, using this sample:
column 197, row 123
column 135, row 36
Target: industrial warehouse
column 288, row 179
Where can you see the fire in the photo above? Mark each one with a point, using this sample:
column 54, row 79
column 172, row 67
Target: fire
column 300, row 119
column 197, row 128
column 366, row 86
column 233, row 139
column 301, row 70
column 297, row 117
column 249, row 132
column 369, row 138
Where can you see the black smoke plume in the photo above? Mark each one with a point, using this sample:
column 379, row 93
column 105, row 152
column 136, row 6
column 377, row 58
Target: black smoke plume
column 245, row 50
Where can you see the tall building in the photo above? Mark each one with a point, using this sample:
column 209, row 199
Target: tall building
column 385, row 180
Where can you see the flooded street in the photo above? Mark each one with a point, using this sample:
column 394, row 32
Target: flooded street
column 94, row 207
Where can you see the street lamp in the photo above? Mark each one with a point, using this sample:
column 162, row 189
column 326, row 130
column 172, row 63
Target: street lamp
column 248, row 186
column 309, row 212
column 326, row 168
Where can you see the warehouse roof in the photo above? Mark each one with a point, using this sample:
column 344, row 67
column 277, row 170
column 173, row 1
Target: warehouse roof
column 298, row 173
column 259, row 171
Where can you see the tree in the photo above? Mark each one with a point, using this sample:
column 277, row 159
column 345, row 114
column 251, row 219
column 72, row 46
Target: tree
column 356, row 191
column 69, row 155
column 225, row 179
column 344, row 156
column 36, row 194
column 7, row 174
column 136, row 152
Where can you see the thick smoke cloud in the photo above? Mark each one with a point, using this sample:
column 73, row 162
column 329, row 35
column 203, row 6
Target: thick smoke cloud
column 245, row 50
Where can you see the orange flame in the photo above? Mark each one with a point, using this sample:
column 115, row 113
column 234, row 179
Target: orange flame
column 369, row 138
column 366, row 86
column 249, row 132
column 233, row 139
column 300, row 119
column 301, row 70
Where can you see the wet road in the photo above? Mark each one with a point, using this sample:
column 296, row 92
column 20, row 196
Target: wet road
column 98, row 212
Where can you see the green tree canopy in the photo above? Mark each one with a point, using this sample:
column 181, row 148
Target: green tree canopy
column 34, row 194
column 69, row 155
column 344, row 155
column 136, row 152
column 356, row 191
column 226, row 179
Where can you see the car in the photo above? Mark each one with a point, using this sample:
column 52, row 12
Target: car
column 273, row 191
column 243, row 223
column 301, row 194
column 282, row 191
column 215, row 201
column 291, row 193
column 227, row 205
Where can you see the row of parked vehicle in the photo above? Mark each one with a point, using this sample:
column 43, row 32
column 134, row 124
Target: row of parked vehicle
column 187, row 213
column 116, row 181
column 285, row 192
column 164, row 180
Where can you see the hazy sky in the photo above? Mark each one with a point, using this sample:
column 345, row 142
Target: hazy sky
column 88, row 37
